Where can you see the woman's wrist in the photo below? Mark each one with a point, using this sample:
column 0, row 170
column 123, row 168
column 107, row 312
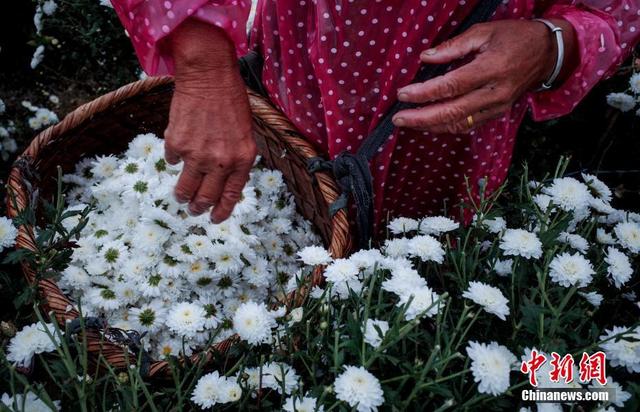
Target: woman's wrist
column 204, row 57
column 570, row 56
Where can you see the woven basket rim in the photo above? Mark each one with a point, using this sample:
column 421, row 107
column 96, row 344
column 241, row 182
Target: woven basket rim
column 18, row 198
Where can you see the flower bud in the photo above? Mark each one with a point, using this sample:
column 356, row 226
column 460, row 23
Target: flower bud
column 123, row 377
column 324, row 325
column 8, row 329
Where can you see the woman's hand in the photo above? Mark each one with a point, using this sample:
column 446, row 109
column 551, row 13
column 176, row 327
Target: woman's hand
column 510, row 57
column 209, row 121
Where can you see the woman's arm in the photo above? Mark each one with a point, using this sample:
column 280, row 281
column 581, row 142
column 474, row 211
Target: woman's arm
column 606, row 32
column 149, row 22
column 510, row 57
column 513, row 57
column 210, row 120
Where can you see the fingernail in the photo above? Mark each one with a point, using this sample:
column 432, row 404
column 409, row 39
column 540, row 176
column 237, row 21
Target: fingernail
column 398, row 121
column 403, row 96
column 429, row 52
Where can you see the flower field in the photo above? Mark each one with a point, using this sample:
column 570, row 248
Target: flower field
column 540, row 288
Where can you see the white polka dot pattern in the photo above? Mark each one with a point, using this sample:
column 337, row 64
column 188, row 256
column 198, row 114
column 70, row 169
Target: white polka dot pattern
column 334, row 70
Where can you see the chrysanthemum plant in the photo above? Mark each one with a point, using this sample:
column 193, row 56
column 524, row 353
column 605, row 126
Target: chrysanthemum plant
column 440, row 317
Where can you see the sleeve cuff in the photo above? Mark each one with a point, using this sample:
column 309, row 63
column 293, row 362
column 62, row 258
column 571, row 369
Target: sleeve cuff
column 147, row 23
column 599, row 53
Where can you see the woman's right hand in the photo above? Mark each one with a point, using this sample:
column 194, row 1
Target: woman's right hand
column 209, row 121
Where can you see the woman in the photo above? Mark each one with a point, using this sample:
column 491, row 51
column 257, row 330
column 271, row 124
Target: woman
column 334, row 67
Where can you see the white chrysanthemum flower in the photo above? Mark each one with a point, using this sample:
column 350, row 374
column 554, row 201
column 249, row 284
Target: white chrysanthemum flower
column 49, row 7
column 126, row 292
column 186, row 319
column 623, row 350
column 495, row 225
column 571, row 270
column 427, row 248
column 366, row 259
column 148, row 318
column 569, row 194
column 200, row 246
column 104, row 166
column 74, row 277
column 628, row 234
column 401, row 225
column 542, row 201
column 634, row 84
column 145, row 146
column 600, row 206
column 103, row 298
column 575, row 241
column 592, row 297
column 343, row 274
column 620, row 396
column 114, row 253
column 295, row 315
column 141, row 247
column 253, row 322
column 519, row 242
column 29, row 402
column 8, row 233
column 424, row 302
column 248, row 202
column 32, row 340
column 604, row 237
column 226, row 258
column 314, row 255
column 598, row 187
column 230, row 391
column 503, row 267
column 490, row 298
column 280, row 225
column 436, row 225
column 374, row 331
column 212, row 389
column 621, row 101
column 280, row 377
column 270, row 181
column 302, row 404
column 359, row 388
column 396, row 247
column 168, row 347
column 491, row 365
column 619, row 268
column 404, row 281
column 150, row 237
column 36, row 59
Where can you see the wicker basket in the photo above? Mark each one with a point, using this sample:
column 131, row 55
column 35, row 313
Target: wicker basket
column 106, row 125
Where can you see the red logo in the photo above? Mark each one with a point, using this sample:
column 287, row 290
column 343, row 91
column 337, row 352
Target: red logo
column 532, row 366
column 592, row 367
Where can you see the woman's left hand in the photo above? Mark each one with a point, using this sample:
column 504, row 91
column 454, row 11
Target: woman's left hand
column 510, row 57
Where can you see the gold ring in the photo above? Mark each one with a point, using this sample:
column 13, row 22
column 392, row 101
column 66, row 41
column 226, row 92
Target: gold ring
column 470, row 121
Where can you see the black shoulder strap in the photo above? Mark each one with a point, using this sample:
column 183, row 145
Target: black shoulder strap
column 351, row 170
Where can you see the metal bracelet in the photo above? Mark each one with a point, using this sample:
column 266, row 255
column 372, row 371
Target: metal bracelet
column 557, row 31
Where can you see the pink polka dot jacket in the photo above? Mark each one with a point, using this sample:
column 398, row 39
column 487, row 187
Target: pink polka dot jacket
column 333, row 67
